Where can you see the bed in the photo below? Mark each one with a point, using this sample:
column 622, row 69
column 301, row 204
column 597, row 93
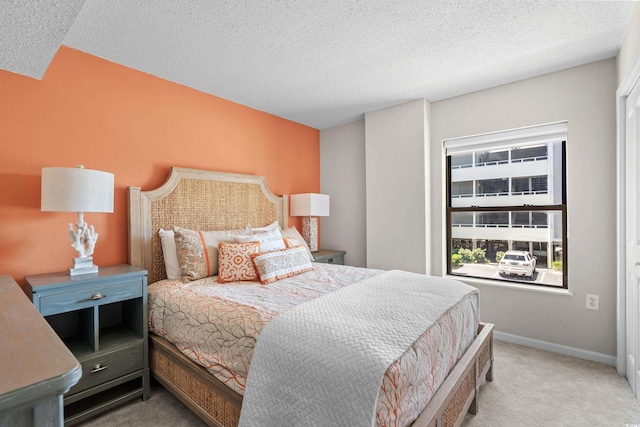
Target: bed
column 207, row 200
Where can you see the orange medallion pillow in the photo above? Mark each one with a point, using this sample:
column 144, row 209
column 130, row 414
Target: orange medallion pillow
column 234, row 262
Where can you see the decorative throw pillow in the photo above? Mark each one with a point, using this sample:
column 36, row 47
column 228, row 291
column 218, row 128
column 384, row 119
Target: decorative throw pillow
column 272, row 266
column 292, row 232
column 197, row 251
column 171, row 265
column 234, row 262
column 269, row 241
column 291, row 242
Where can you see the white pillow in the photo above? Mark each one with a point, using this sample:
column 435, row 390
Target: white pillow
column 273, row 226
column 171, row 265
column 269, row 241
column 290, row 232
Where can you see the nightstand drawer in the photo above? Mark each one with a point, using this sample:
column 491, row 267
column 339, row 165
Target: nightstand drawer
column 329, row 256
column 108, row 366
column 89, row 296
column 334, row 260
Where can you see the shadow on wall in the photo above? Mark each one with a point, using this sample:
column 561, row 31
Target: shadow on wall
column 32, row 239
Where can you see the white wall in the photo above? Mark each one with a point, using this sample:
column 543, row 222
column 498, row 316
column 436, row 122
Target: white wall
column 585, row 97
column 396, row 212
column 342, row 176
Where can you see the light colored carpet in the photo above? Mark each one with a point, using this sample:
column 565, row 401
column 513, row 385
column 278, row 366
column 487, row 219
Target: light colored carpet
column 539, row 388
column 162, row 409
column 531, row 388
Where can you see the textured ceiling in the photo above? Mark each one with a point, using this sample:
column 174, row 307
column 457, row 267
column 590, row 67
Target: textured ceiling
column 31, row 32
column 325, row 63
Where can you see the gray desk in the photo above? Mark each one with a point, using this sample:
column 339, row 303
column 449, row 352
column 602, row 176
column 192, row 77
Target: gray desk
column 36, row 368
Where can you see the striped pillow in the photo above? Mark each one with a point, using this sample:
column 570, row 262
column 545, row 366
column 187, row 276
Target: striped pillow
column 276, row 265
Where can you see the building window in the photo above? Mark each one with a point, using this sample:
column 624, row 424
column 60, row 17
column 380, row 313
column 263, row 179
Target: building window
column 505, row 193
column 492, row 187
column 462, row 189
column 529, row 185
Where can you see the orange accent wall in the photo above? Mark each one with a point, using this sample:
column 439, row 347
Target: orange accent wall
column 90, row 111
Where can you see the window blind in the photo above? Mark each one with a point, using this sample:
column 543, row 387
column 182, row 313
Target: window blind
column 521, row 137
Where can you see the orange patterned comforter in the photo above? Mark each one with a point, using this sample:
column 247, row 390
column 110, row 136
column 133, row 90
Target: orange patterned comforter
column 216, row 325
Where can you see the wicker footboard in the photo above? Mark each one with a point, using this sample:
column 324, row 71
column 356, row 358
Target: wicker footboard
column 220, row 406
column 205, row 395
column 459, row 391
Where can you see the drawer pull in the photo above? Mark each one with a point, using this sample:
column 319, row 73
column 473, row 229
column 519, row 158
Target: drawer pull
column 99, row 368
column 97, row 296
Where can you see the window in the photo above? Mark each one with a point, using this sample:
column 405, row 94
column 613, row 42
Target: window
column 493, row 187
column 463, row 161
column 462, row 189
column 529, row 185
column 506, row 206
column 485, row 158
column 529, row 154
column 493, row 219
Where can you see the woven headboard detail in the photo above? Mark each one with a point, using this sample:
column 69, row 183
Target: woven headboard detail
column 198, row 200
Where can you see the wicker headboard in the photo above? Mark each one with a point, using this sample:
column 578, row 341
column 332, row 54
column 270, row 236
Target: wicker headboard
column 197, row 200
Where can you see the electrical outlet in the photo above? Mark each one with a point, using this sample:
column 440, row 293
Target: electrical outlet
column 593, row 302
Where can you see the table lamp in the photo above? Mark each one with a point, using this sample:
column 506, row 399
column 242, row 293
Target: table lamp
column 310, row 206
column 78, row 190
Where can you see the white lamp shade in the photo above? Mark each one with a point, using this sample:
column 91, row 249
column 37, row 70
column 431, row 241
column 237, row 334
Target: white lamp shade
column 309, row 204
column 76, row 190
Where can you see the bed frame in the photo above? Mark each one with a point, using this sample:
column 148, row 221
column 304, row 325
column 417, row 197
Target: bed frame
column 207, row 200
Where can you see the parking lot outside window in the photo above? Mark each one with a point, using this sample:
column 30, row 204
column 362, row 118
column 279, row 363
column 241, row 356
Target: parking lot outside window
column 506, row 206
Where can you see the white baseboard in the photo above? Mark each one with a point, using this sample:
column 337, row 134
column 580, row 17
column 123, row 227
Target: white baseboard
column 556, row 348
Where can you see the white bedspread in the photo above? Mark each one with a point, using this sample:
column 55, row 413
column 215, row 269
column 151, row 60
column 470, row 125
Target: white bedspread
column 322, row 362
